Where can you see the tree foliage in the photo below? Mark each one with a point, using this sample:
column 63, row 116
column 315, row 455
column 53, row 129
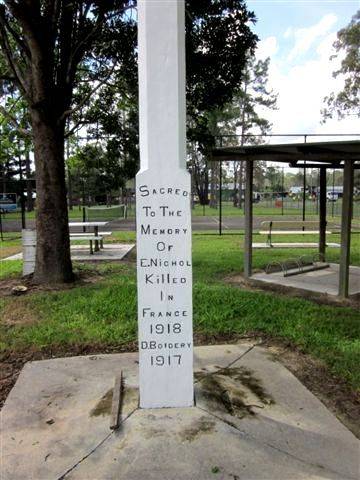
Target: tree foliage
column 74, row 62
column 52, row 49
column 347, row 101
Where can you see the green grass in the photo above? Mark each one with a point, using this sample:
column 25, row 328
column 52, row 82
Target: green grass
column 10, row 246
column 105, row 312
column 75, row 213
column 263, row 208
column 9, row 269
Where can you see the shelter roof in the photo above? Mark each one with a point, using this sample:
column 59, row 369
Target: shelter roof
column 330, row 154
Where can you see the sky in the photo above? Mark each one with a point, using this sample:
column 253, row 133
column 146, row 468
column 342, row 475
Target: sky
column 298, row 37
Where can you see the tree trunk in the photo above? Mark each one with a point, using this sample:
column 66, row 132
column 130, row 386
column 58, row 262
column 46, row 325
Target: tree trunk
column 241, row 181
column 29, row 187
column 201, row 181
column 53, row 262
column 213, row 197
column 235, row 198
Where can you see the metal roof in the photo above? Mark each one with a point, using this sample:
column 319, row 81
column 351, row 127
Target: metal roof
column 326, row 153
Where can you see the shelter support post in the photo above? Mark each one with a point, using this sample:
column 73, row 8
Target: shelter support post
column 346, row 214
column 322, row 214
column 304, row 195
column 248, row 219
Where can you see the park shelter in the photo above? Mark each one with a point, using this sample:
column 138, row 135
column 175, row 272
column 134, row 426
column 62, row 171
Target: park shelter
column 322, row 155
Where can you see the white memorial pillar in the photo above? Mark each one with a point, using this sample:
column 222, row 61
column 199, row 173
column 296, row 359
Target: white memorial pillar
column 163, row 215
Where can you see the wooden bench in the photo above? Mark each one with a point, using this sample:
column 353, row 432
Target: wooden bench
column 284, row 227
column 90, row 238
column 101, row 234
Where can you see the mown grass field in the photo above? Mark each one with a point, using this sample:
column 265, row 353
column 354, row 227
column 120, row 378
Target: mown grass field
column 292, row 207
column 103, row 311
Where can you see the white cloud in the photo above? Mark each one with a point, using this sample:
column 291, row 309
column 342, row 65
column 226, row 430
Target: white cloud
column 288, row 33
column 305, row 37
column 267, row 48
column 303, row 84
column 301, row 90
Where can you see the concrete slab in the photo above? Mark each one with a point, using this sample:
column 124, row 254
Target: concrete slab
column 252, row 420
column 110, row 252
column 321, row 281
column 294, row 245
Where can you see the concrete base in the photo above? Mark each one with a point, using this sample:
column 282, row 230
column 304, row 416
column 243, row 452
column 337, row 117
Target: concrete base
column 321, row 281
column 252, row 420
column 81, row 253
column 294, row 245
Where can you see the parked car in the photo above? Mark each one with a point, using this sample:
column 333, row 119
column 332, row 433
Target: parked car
column 8, row 202
column 332, row 196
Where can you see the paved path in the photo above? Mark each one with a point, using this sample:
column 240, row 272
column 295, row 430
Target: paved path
column 198, row 223
column 252, row 420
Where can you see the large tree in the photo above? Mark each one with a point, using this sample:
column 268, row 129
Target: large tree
column 347, row 101
column 15, row 147
column 218, row 42
column 253, row 98
column 73, row 61
column 50, row 48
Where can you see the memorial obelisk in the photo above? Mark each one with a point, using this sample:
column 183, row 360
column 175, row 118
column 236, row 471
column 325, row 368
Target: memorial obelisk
column 163, row 215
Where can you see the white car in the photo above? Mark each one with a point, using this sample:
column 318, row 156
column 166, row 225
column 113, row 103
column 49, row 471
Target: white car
column 332, row 196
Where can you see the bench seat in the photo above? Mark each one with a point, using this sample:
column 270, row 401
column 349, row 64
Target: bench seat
column 289, row 227
column 85, row 237
column 291, row 232
column 102, row 234
column 80, row 236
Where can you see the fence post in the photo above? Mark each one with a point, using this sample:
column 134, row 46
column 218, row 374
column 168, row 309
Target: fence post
column 84, row 217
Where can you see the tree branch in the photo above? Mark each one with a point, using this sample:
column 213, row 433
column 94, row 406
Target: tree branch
column 75, row 128
column 5, row 45
column 22, row 131
column 87, row 97
column 20, row 42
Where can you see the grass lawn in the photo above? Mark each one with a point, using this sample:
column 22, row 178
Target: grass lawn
column 74, row 214
column 264, row 208
column 103, row 311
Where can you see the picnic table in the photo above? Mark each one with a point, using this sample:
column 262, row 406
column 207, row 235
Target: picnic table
column 289, row 227
column 94, row 225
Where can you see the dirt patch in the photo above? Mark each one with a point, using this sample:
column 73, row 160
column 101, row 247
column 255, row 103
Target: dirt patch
column 82, row 277
column 8, row 251
column 201, row 426
column 316, row 297
column 235, row 391
column 333, row 391
column 103, row 407
column 129, row 399
column 18, row 313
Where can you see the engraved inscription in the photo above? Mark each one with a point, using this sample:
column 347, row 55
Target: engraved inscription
column 164, row 281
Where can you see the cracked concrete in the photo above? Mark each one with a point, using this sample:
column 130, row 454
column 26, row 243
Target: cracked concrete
column 252, row 420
